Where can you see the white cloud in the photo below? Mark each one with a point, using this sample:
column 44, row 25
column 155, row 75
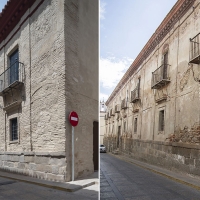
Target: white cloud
column 102, row 10
column 103, row 96
column 111, row 70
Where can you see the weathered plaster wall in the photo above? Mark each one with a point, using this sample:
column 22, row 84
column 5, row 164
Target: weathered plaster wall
column 14, row 43
column 48, row 77
column 179, row 99
column 40, row 41
column 179, row 93
column 41, row 115
column 58, row 45
column 81, row 42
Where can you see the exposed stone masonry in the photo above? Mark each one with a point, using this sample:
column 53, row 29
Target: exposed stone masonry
column 186, row 135
column 170, row 155
column 49, row 166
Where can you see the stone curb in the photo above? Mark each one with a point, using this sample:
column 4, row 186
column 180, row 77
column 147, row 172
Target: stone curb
column 148, row 167
column 64, row 186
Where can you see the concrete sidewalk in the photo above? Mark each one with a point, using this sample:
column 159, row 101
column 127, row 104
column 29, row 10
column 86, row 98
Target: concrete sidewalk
column 72, row 186
column 176, row 176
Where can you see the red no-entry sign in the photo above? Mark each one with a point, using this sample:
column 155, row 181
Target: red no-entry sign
column 73, row 118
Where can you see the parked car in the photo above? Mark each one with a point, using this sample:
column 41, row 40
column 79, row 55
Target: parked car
column 102, row 148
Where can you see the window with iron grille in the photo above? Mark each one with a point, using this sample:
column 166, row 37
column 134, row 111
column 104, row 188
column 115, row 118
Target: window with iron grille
column 13, row 129
column 135, row 125
column 161, row 120
column 124, row 126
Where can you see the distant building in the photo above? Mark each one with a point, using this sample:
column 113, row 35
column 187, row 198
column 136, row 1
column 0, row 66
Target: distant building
column 48, row 67
column 153, row 114
column 102, row 120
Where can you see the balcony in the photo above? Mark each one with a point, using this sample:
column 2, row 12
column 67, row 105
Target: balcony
column 124, row 104
column 106, row 117
column 194, row 50
column 112, row 112
column 135, row 95
column 12, row 105
column 117, row 108
column 12, row 78
column 160, row 77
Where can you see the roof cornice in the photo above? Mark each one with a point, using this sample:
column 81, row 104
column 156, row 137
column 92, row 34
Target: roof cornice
column 176, row 13
column 11, row 15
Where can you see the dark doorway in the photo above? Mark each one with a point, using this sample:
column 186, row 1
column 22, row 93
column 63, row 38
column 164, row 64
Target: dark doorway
column 118, row 135
column 96, row 145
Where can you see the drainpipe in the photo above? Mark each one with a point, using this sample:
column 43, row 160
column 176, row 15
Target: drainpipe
column 31, row 144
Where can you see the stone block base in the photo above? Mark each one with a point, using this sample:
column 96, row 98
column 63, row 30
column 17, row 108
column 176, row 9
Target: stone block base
column 174, row 156
column 42, row 165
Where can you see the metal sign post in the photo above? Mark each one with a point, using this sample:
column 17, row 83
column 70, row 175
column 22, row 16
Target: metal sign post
column 73, row 119
column 72, row 153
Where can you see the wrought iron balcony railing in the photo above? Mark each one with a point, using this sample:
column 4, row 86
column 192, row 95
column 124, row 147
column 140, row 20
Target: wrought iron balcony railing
column 194, row 50
column 124, row 104
column 135, row 94
column 112, row 112
column 117, row 108
column 12, row 77
column 160, row 77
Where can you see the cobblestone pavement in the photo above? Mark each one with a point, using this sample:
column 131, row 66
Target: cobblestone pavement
column 17, row 190
column 122, row 180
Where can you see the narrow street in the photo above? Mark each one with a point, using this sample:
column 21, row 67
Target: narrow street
column 123, row 180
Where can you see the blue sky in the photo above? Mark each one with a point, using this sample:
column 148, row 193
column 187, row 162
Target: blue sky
column 125, row 27
column 2, row 4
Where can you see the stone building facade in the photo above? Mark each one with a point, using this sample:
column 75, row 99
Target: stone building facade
column 48, row 67
column 101, row 119
column 154, row 113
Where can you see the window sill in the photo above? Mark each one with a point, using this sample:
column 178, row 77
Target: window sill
column 136, row 110
column 14, row 142
column 161, row 133
column 160, row 100
column 12, row 106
